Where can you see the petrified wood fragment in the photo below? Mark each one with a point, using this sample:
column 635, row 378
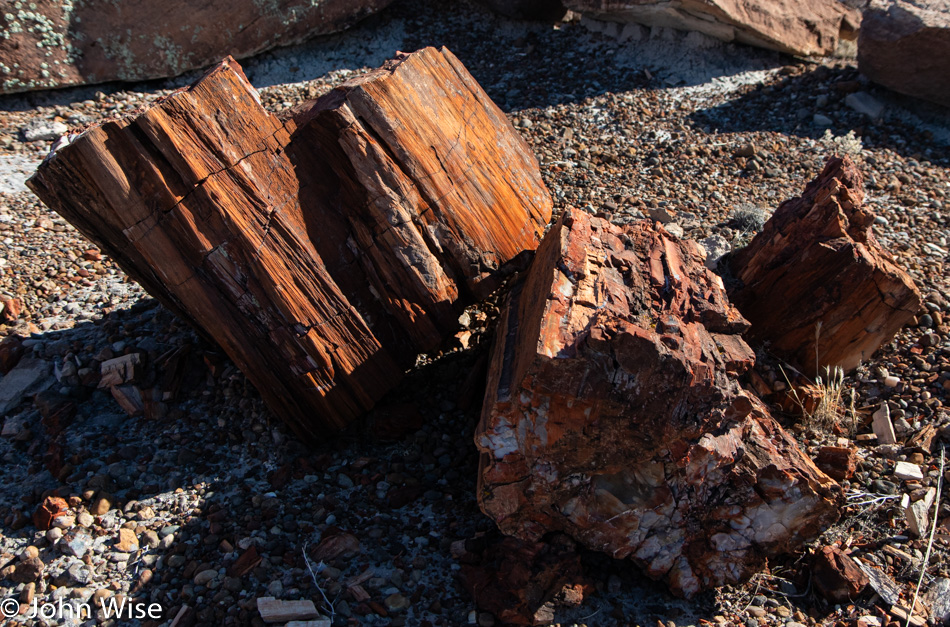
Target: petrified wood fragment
column 815, row 283
column 836, row 575
column 323, row 252
column 613, row 413
column 904, row 45
column 798, row 27
column 52, row 43
column 517, row 580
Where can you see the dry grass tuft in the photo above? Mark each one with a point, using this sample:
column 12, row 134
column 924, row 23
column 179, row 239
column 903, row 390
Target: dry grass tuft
column 830, row 409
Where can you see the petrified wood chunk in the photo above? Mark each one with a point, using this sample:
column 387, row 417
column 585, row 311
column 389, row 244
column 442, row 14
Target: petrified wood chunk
column 904, row 45
column 324, row 252
column 815, row 284
column 613, row 413
column 799, row 27
column 517, row 580
column 51, row 43
column 836, row 576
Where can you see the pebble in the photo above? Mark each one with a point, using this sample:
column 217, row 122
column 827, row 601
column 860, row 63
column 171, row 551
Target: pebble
column 80, row 574
column 168, row 530
column 205, row 577
column 77, row 543
column 908, row 472
column 126, row 541
column 396, row 602
column 42, row 130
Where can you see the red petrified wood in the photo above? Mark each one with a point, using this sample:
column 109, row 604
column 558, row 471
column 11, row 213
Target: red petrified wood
column 322, row 252
column 613, row 413
column 815, row 284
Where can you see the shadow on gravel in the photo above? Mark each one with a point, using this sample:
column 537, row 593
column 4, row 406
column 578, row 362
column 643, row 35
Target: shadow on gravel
column 231, row 503
column 813, row 100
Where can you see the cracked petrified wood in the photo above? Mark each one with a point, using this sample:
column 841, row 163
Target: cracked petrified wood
column 613, row 413
column 815, row 284
column 322, row 252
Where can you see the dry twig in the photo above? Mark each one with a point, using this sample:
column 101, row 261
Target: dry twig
column 930, row 540
column 313, row 576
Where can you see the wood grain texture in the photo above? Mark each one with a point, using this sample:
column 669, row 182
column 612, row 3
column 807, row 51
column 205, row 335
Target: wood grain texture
column 315, row 275
column 614, row 414
column 815, row 284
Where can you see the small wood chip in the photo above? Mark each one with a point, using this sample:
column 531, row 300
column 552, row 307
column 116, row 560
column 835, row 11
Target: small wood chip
column 359, row 593
column 895, row 552
column 882, row 425
column 917, row 514
column 366, row 575
column 908, row 471
column 902, row 614
column 277, row 611
column 882, row 584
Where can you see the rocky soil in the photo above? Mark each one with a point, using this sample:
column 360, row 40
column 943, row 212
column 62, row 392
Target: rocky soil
column 207, row 503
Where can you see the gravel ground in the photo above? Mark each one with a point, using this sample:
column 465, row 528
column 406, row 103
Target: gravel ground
column 624, row 121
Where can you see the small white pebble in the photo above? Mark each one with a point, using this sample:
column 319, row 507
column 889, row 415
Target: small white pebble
column 908, row 471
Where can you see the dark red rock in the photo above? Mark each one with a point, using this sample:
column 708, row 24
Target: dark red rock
column 514, row 579
column 838, row 462
column 248, row 561
column 836, row 576
column 816, row 284
column 11, row 350
column 342, row 544
column 49, row 509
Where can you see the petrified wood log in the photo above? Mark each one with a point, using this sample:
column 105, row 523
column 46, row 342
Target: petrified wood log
column 799, row 27
column 323, row 252
column 815, row 284
column 904, row 46
column 613, row 413
column 51, row 43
